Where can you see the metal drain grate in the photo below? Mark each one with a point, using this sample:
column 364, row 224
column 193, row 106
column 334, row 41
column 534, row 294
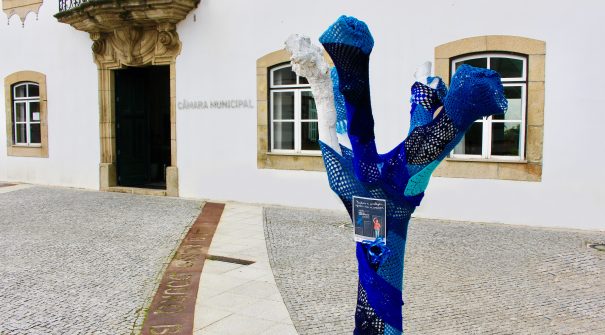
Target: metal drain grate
column 229, row 260
column 597, row 246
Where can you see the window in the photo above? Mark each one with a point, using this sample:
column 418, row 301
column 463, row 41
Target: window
column 503, row 147
column 26, row 114
column 499, row 137
column 293, row 113
column 286, row 123
column 25, row 104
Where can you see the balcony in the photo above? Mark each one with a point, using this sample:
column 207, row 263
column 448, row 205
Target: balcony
column 70, row 4
column 108, row 15
column 128, row 32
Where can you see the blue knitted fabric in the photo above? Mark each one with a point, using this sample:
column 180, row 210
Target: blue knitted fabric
column 350, row 31
column 425, row 101
column 441, row 88
column 373, row 306
column 401, row 175
column 349, row 43
column 474, row 93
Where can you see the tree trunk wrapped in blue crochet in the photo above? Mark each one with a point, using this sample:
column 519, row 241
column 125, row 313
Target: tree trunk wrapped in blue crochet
column 399, row 176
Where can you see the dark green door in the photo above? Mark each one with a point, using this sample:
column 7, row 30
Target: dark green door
column 142, row 105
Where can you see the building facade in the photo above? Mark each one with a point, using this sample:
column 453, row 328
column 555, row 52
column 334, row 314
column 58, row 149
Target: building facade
column 197, row 100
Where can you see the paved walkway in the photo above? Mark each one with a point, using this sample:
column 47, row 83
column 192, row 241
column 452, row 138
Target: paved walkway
column 80, row 262
column 460, row 278
column 236, row 299
column 83, row 262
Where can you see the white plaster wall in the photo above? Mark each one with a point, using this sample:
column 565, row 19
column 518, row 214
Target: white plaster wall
column 217, row 149
column 63, row 55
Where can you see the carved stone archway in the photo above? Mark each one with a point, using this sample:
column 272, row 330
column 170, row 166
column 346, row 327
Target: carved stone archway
column 129, row 33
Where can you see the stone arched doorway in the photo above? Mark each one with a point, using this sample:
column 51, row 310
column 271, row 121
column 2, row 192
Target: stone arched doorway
column 130, row 34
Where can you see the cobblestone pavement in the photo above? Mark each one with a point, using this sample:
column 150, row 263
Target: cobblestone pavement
column 460, row 277
column 83, row 262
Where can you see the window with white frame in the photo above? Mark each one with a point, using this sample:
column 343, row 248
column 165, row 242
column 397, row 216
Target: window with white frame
column 293, row 114
column 26, row 114
column 498, row 137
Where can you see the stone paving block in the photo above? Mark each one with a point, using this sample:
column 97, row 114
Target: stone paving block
column 461, row 278
column 83, row 262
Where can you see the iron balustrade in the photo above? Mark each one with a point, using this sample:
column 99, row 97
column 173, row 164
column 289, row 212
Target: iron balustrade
column 70, row 4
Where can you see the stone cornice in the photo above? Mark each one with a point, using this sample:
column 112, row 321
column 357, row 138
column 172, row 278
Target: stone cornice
column 130, row 32
column 107, row 15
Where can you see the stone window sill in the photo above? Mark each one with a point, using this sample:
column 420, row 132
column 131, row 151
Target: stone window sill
column 294, row 154
column 281, row 161
column 490, row 169
column 486, row 160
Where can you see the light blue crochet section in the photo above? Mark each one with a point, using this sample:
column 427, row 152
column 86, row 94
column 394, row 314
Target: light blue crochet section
column 349, row 31
column 390, row 330
column 419, row 182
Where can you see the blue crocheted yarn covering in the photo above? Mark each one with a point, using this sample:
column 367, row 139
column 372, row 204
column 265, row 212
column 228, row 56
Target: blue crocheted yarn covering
column 392, row 268
column 366, row 162
column 425, row 101
column 473, row 94
column 426, row 97
column 401, row 175
column 349, row 31
column 441, row 88
column 339, row 104
column 419, row 182
column 349, row 43
column 426, row 143
column 419, row 116
column 353, row 82
column 382, row 296
column 371, row 315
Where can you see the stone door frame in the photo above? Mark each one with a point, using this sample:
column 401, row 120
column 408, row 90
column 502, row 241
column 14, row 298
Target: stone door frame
column 130, row 33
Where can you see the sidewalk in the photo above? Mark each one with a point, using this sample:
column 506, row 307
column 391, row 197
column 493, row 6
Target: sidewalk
column 236, row 299
column 85, row 262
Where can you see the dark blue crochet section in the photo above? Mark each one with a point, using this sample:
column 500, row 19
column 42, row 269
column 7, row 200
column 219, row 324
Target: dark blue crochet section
column 427, row 142
column 367, row 322
column 353, row 82
column 366, row 162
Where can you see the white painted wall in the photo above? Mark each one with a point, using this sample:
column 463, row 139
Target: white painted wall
column 63, row 55
column 217, row 148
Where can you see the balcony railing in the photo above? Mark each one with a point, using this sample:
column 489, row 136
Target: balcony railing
column 70, row 4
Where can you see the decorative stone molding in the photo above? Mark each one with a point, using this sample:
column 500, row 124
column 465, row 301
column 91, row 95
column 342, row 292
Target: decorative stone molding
column 129, row 33
column 20, row 8
column 135, row 46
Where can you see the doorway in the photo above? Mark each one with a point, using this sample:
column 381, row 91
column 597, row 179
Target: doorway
column 142, row 111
